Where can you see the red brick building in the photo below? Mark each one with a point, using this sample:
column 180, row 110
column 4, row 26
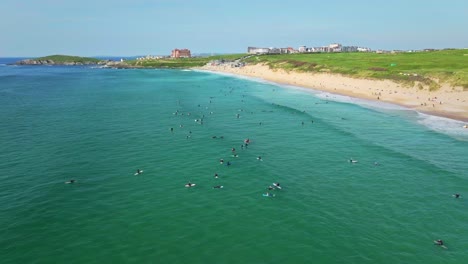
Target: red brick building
column 181, row 53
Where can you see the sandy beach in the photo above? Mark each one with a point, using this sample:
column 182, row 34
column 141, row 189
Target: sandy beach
column 448, row 101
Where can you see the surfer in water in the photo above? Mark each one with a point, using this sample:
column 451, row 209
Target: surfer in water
column 457, row 195
column 216, row 175
column 440, row 243
column 228, row 163
column 138, row 171
column 260, row 158
column 217, row 187
column 189, row 184
column 70, row 181
column 221, row 161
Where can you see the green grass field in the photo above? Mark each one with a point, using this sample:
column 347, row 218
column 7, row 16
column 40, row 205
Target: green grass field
column 449, row 66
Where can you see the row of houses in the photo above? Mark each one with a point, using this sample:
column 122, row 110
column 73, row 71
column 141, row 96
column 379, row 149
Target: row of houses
column 176, row 53
column 335, row 47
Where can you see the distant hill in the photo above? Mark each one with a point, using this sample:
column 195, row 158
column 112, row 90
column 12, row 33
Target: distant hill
column 61, row 60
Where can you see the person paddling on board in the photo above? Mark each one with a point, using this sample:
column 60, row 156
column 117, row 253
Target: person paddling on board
column 217, row 187
column 440, row 243
column 70, row 181
column 457, row 195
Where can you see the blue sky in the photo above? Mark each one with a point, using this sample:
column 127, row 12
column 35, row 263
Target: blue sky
column 142, row 27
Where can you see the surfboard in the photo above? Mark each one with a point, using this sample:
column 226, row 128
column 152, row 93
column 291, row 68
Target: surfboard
column 442, row 246
column 276, row 186
column 268, row 195
column 188, row 186
column 136, row 173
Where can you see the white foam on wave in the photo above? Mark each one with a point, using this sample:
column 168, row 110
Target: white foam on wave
column 259, row 80
column 359, row 101
column 447, row 126
column 444, row 125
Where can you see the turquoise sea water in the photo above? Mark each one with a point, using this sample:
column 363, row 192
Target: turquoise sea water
column 98, row 126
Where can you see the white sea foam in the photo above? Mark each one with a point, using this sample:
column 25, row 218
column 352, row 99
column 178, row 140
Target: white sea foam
column 444, row 125
column 238, row 76
column 362, row 102
column 450, row 127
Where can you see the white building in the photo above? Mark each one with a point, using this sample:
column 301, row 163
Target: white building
column 302, row 49
column 255, row 50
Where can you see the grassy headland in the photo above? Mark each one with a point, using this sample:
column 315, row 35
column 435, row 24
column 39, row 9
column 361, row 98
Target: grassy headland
column 60, row 60
column 68, row 59
column 427, row 68
column 181, row 62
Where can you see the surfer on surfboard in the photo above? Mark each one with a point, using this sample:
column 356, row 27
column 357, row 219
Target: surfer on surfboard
column 440, row 243
column 277, row 185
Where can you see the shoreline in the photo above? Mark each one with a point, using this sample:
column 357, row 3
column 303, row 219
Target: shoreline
column 447, row 101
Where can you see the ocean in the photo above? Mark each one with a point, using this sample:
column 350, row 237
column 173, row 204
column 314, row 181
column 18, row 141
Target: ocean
column 98, row 126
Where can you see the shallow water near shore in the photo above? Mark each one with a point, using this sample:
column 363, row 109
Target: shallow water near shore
column 98, row 126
